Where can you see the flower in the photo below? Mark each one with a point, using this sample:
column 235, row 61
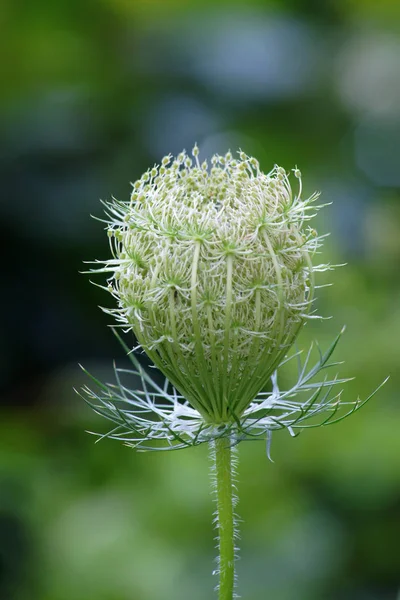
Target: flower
column 212, row 271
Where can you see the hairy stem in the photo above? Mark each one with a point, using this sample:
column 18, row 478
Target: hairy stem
column 225, row 516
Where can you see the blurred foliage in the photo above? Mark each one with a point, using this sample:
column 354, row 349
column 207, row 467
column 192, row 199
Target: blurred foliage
column 94, row 92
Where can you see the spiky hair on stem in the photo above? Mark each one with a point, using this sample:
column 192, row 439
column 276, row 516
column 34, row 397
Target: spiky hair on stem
column 212, row 270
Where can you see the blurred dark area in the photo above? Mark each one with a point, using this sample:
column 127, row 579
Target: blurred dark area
column 94, row 92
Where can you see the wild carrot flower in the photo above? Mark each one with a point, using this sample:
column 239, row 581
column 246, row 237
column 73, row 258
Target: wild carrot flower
column 212, row 270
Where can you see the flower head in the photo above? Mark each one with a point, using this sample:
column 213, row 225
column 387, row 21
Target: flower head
column 212, row 271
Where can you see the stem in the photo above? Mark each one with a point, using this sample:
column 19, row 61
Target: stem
column 225, row 516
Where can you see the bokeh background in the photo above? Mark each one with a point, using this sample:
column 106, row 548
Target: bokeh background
column 92, row 93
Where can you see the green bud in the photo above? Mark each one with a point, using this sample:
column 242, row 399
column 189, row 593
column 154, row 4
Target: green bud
column 212, row 271
column 212, row 351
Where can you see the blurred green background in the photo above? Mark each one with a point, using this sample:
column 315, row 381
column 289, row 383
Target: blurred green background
column 92, row 93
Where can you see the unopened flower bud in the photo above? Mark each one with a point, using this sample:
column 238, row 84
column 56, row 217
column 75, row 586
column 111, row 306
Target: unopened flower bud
column 217, row 355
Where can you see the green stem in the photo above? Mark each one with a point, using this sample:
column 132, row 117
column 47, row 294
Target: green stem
column 224, row 478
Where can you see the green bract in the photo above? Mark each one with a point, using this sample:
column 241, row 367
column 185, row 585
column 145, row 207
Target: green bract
column 212, row 270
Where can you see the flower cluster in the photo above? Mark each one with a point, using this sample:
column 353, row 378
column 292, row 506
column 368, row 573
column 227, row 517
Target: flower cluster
column 212, row 271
